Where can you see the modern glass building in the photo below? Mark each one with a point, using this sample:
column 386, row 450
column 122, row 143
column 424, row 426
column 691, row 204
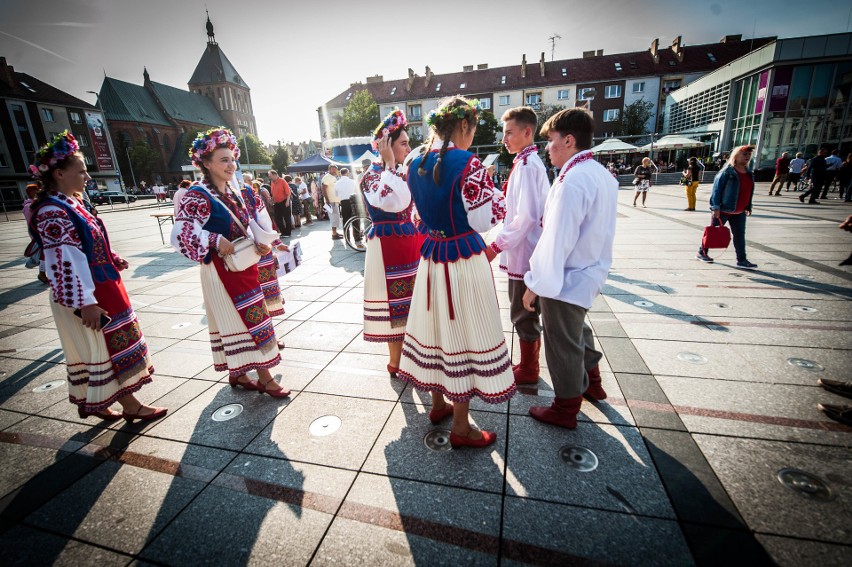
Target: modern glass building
column 790, row 95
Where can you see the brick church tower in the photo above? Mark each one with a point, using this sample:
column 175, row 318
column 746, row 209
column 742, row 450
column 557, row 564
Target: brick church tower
column 217, row 79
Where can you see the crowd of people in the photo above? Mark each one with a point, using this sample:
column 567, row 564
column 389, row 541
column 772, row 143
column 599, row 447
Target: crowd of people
column 429, row 292
column 814, row 178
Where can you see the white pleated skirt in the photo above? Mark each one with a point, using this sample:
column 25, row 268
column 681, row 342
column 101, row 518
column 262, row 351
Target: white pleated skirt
column 463, row 356
column 378, row 327
column 233, row 347
column 92, row 383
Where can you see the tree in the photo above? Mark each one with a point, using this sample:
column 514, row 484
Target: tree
column 256, row 152
column 142, row 159
column 547, row 110
column 635, row 117
column 361, row 115
column 281, row 159
column 486, row 130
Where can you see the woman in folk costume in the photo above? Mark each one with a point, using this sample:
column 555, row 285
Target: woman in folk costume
column 105, row 352
column 268, row 265
column 454, row 345
column 211, row 215
column 393, row 242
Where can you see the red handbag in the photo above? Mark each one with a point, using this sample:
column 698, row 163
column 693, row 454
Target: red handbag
column 716, row 236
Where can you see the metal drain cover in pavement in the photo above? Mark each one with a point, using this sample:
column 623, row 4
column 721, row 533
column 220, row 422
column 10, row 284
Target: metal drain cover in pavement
column 181, row 325
column 325, row 425
column 227, row 412
column 691, row 358
column 579, row 458
column 806, row 485
column 805, row 364
column 805, row 309
column 438, row 440
column 643, row 303
column 48, row 386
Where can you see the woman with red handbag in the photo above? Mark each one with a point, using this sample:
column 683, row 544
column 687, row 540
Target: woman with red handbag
column 730, row 202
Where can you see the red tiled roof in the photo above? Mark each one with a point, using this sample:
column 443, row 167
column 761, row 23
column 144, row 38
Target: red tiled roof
column 583, row 70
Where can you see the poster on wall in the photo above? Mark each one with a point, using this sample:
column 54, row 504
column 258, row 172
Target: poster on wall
column 97, row 133
column 780, row 89
column 761, row 92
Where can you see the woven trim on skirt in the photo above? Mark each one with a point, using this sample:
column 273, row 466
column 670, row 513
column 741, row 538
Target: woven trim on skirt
column 464, row 356
column 378, row 327
column 233, row 347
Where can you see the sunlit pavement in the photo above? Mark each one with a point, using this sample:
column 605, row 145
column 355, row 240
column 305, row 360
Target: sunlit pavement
column 712, row 379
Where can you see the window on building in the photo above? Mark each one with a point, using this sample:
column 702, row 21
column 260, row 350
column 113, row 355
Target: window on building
column 504, row 100
column 672, row 63
column 438, row 87
column 23, row 130
column 485, row 103
column 393, row 91
column 562, row 94
column 533, row 98
column 48, row 115
column 3, row 162
column 711, row 57
column 669, row 86
column 503, row 80
column 26, row 86
column 633, row 65
column 639, row 87
column 611, row 114
column 415, row 112
column 564, row 72
column 585, row 94
column 618, row 66
column 75, row 118
column 612, row 91
column 463, row 85
column 84, row 141
column 88, row 159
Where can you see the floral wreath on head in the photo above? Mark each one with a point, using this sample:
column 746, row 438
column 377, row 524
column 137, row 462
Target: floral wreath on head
column 49, row 155
column 207, row 142
column 392, row 122
column 470, row 110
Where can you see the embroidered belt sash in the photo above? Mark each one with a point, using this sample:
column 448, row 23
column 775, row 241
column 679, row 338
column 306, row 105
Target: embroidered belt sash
column 401, row 257
column 245, row 292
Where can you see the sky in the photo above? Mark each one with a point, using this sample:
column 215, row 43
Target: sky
column 295, row 56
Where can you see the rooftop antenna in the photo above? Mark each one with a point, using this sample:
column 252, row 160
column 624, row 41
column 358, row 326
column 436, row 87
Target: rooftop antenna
column 552, row 39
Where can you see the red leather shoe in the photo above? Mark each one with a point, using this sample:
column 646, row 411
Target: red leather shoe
column 436, row 416
column 562, row 413
column 595, row 390
column 234, row 381
column 457, row 441
column 156, row 414
column 108, row 416
column 281, row 345
column 528, row 370
column 279, row 393
column 392, row 370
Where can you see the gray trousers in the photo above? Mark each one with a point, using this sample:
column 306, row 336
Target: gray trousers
column 568, row 347
column 526, row 323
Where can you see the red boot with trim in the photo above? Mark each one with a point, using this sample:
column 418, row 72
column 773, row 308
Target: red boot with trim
column 528, row 370
column 562, row 412
column 595, row 390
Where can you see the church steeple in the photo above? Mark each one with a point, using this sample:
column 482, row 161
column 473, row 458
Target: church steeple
column 211, row 37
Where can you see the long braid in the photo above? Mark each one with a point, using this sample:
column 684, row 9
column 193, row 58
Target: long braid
column 421, row 170
column 436, row 172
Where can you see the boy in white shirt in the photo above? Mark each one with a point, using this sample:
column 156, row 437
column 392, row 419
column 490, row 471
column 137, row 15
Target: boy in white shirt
column 572, row 258
column 525, row 191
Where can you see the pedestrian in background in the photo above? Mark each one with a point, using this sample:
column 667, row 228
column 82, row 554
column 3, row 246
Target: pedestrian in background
column 281, row 204
column 782, row 170
column 642, row 180
column 797, row 165
column 730, row 202
column 817, row 172
column 328, row 182
column 693, row 177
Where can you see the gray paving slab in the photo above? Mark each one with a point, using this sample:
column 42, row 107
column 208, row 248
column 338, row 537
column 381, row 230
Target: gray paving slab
column 792, row 552
column 544, row 533
column 288, row 436
column 748, row 470
column 401, row 451
column 357, row 375
column 26, row 546
column 320, row 335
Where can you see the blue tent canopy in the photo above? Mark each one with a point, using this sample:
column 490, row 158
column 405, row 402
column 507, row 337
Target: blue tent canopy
column 314, row 164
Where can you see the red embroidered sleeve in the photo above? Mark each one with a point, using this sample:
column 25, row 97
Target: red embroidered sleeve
column 476, row 186
column 192, row 241
column 66, row 266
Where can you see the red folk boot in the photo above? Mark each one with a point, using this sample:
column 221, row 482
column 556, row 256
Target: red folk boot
column 595, row 390
column 562, row 413
column 527, row 371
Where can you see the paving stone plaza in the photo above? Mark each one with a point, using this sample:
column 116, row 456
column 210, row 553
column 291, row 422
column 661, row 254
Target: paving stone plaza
column 710, row 448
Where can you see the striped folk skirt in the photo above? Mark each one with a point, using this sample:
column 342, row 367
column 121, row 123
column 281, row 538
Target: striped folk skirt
column 233, row 347
column 385, row 317
column 92, row 382
column 454, row 342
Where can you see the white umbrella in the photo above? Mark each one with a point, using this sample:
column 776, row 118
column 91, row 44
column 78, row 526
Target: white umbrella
column 673, row 142
column 613, row 146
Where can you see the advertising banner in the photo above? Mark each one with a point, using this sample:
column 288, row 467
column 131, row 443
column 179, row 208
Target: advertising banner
column 761, row 92
column 100, row 145
column 780, row 89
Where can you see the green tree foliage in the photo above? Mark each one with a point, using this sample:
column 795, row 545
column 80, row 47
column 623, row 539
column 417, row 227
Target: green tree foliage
column 256, row 152
column 635, row 117
column 142, row 159
column 486, row 130
column 361, row 115
column 281, row 159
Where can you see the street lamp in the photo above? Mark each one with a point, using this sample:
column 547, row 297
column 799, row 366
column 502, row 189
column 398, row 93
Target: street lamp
column 109, row 138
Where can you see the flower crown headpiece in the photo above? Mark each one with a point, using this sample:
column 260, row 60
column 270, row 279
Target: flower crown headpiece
column 467, row 111
column 392, row 122
column 53, row 152
column 207, row 142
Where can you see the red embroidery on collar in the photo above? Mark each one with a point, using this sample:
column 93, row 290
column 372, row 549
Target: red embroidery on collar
column 525, row 153
column 579, row 158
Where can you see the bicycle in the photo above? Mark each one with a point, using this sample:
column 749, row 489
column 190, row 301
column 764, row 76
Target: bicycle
column 355, row 232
